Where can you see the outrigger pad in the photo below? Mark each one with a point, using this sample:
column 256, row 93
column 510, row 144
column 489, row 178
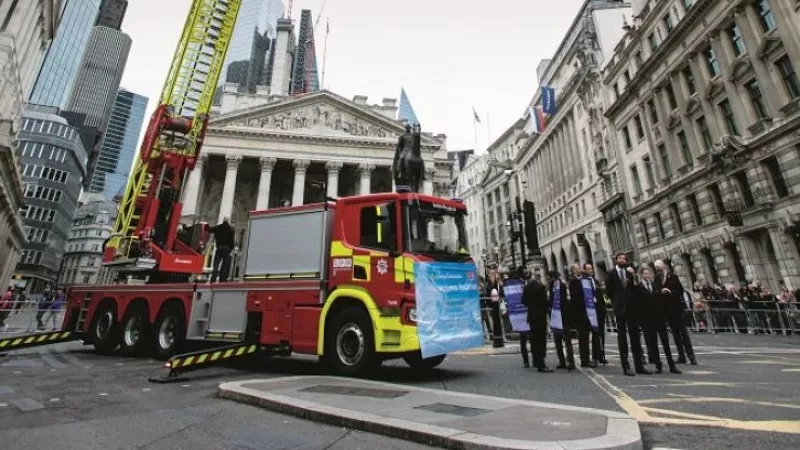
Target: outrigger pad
column 36, row 339
column 186, row 362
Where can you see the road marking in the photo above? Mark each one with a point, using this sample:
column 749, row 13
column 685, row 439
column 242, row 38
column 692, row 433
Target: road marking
column 146, row 389
column 3, row 405
column 790, row 370
column 103, row 394
column 700, row 372
column 119, row 364
column 55, row 399
column 185, row 385
column 692, row 399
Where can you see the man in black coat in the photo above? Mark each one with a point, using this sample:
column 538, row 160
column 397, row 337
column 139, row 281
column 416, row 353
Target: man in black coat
column 599, row 336
column 534, row 297
column 669, row 286
column 578, row 316
column 225, row 241
column 558, row 289
column 653, row 321
column 620, row 285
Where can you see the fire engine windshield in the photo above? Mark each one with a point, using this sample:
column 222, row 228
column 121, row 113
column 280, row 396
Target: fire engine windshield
column 435, row 230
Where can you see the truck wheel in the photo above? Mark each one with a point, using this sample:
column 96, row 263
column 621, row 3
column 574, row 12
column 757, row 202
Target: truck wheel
column 134, row 331
column 416, row 361
column 169, row 333
column 350, row 345
column 104, row 329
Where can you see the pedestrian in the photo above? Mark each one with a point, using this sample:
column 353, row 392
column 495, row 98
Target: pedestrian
column 55, row 308
column 494, row 290
column 559, row 323
column 620, row 285
column 578, row 314
column 671, row 289
column 534, row 297
column 6, row 304
column 598, row 335
column 225, row 241
column 654, row 321
column 46, row 298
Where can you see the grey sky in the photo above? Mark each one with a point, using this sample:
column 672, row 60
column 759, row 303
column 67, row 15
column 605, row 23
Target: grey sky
column 448, row 56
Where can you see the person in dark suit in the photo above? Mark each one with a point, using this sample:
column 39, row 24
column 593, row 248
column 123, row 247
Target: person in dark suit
column 599, row 336
column 578, row 315
column 620, row 285
column 558, row 294
column 224, row 236
column 534, row 297
column 653, row 320
column 493, row 284
column 671, row 289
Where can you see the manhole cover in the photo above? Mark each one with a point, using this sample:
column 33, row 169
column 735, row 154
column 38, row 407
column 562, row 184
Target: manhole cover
column 455, row 410
column 354, row 391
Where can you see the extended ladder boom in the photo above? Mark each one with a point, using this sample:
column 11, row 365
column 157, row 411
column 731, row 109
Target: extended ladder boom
column 145, row 232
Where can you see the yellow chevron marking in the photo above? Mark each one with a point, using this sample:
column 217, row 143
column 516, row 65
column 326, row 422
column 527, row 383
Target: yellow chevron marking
column 202, row 358
column 240, row 351
column 252, row 349
column 228, row 353
column 41, row 338
column 16, row 342
column 175, row 363
column 188, row 361
column 3, row 343
column 30, row 339
column 215, row 356
column 65, row 334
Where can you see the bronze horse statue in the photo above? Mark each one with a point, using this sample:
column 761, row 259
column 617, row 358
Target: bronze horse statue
column 408, row 168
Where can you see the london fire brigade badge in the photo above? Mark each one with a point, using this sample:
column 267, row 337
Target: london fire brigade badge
column 382, row 266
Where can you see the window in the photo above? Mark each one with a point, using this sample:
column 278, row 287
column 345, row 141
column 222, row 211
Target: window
column 676, row 217
column 638, row 58
column 667, row 21
column 686, row 151
column 789, row 77
column 765, row 17
column 711, row 63
column 756, row 99
column 649, row 172
column 616, row 90
column 716, row 196
column 652, row 39
column 776, row 175
column 645, row 235
column 626, row 135
column 727, row 116
column 639, row 127
column 665, row 164
column 659, row 225
column 695, row 207
column 705, row 132
column 673, row 102
column 637, row 182
column 377, row 226
column 744, row 188
column 688, row 76
column 687, row 4
column 651, row 107
column 737, row 42
column 627, row 76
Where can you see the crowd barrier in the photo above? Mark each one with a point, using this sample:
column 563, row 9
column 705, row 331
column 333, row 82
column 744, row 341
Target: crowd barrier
column 21, row 317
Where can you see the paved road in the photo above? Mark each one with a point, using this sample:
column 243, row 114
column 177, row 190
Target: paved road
column 745, row 389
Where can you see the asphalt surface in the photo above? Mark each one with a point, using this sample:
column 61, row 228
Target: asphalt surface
column 744, row 394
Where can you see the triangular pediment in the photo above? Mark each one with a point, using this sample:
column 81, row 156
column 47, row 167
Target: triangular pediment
column 768, row 45
column 714, row 88
column 320, row 114
column 740, row 68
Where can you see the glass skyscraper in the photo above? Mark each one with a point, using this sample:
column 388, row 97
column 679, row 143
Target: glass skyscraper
column 116, row 155
column 405, row 112
column 251, row 45
column 65, row 54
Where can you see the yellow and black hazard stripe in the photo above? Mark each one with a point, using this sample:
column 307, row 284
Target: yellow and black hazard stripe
column 191, row 361
column 33, row 340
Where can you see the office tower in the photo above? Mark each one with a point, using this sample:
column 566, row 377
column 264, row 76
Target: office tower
column 116, row 154
column 247, row 62
column 112, row 12
column 406, row 112
column 305, row 77
column 64, row 55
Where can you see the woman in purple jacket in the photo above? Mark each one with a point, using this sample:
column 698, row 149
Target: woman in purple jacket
column 55, row 308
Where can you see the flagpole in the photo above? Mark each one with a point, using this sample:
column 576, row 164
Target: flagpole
column 325, row 52
column 488, row 130
column 475, row 128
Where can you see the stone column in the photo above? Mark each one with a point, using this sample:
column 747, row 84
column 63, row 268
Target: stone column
column 366, row 177
column 229, row 189
column 299, row 188
column 333, row 168
column 191, row 193
column 427, row 185
column 264, row 184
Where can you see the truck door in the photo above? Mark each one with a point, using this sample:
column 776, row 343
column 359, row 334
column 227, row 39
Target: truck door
column 373, row 258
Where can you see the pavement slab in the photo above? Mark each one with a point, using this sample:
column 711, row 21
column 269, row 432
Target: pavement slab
column 440, row 418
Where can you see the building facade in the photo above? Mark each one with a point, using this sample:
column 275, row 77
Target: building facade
column 93, row 222
column 60, row 67
column 469, row 188
column 704, row 104
column 53, row 163
column 118, row 149
column 27, row 28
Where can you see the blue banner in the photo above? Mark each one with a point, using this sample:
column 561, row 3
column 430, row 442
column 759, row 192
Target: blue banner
column 548, row 100
column 556, row 321
column 517, row 312
column 448, row 307
column 589, row 301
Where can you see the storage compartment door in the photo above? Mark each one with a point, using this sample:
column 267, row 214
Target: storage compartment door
column 228, row 312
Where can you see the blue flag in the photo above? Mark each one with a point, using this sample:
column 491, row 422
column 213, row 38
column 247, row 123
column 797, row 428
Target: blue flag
column 556, row 323
column 548, row 100
column 448, row 307
column 589, row 301
column 517, row 312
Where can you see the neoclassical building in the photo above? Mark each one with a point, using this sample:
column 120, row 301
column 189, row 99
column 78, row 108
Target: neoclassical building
column 704, row 104
column 297, row 150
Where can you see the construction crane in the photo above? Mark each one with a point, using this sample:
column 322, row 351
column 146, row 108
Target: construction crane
column 145, row 237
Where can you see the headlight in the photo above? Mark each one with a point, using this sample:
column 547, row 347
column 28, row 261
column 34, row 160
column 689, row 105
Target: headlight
column 412, row 315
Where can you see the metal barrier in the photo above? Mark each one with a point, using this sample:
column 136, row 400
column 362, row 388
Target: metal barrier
column 22, row 316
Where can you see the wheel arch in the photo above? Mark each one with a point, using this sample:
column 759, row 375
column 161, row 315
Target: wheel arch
column 138, row 302
column 171, row 302
column 340, row 299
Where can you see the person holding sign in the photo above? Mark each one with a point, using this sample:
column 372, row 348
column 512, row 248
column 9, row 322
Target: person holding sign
column 583, row 312
column 559, row 323
column 534, row 297
column 518, row 314
column 599, row 336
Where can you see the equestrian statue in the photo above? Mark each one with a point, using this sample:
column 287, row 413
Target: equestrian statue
column 408, row 168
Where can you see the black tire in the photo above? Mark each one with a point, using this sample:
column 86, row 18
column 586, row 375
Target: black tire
column 134, row 330
column 105, row 329
column 350, row 344
column 169, row 332
column 416, row 361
